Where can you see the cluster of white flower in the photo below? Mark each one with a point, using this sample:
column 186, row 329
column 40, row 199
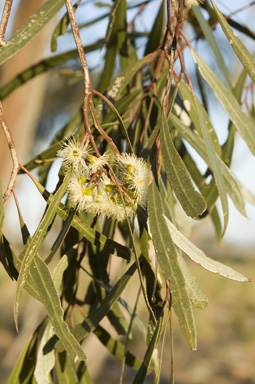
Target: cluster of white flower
column 91, row 189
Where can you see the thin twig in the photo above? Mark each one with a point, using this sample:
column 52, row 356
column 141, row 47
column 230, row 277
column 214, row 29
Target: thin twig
column 13, row 152
column 84, row 64
column 4, row 21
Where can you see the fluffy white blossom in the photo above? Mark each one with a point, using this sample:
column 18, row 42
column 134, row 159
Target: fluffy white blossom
column 74, row 154
column 134, row 173
column 94, row 192
column 81, row 193
column 95, row 163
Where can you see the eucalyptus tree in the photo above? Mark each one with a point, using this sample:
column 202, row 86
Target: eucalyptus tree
column 128, row 180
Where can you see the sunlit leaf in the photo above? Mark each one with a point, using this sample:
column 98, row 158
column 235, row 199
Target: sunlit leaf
column 139, row 378
column 197, row 297
column 191, row 201
column 241, row 51
column 214, row 165
column 212, row 43
column 200, row 257
column 65, row 370
column 231, row 184
column 45, row 359
column 190, row 105
column 243, row 123
column 30, row 29
column 82, row 373
column 32, row 248
column 169, row 266
column 17, row 370
column 44, row 283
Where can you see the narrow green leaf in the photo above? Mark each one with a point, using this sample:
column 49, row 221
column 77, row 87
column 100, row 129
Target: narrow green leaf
column 12, row 265
column 228, row 146
column 61, row 28
column 213, row 44
column 82, row 373
column 168, row 262
column 45, row 285
column 155, row 35
column 61, row 236
column 200, row 257
column 30, row 29
column 45, row 360
column 116, row 348
column 93, row 319
column 190, row 105
column 243, row 123
column 65, row 369
column 15, row 374
column 214, row 215
column 116, row 39
column 94, row 237
column 139, row 378
column 191, row 201
column 24, row 368
column 32, row 248
column 43, row 66
column 241, row 51
column 197, row 297
column 231, row 184
column 214, row 165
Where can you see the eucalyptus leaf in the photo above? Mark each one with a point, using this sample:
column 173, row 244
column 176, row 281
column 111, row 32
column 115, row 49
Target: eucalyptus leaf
column 198, row 256
column 93, row 319
column 169, row 266
column 214, row 164
column 65, row 370
column 116, row 348
column 17, row 370
column 213, row 44
column 243, row 123
column 197, row 297
column 231, row 184
column 33, row 246
column 139, row 378
column 30, row 29
column 191, row 201
column 241, row 51
column 45, row 360
column 45, row 285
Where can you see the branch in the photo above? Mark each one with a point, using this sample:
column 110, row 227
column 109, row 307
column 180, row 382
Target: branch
column 4, row 21
column 13, row 152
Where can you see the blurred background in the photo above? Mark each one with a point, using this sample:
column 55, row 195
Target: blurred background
column 35, row 112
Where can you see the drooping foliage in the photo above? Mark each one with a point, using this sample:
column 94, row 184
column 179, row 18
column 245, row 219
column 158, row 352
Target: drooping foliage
column 130, row 179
